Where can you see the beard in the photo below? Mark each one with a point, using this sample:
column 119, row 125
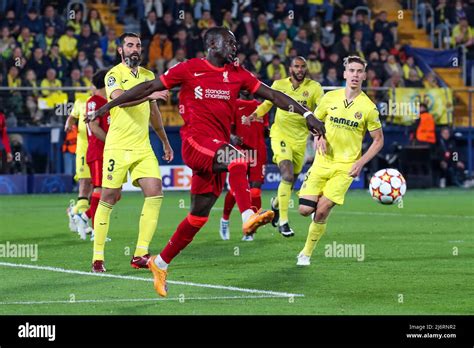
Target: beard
column 295, row 76
column 133, row 60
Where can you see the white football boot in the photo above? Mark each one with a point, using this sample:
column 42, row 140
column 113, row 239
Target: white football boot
column 303, row 260
column 70, row 215
column 224, row 230
column 81, row 221
column 248, row 238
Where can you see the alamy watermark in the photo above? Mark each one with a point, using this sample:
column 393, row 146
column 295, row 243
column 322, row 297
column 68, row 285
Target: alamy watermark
column 228, row 154
column 14, row 250
column 356, row 251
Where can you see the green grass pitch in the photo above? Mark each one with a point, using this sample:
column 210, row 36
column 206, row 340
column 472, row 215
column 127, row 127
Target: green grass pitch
column 418, row 259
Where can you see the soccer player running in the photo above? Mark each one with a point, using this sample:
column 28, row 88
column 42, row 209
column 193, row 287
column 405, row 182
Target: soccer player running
column 83, row 174
column 128, row 149
column 250, row 138
column 289, row 135
column 209, row 89
column 96, row 133
column 347, row 114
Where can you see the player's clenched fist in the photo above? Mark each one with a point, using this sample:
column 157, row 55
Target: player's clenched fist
column 92, row 115
column 162, row 95
column 315, row 126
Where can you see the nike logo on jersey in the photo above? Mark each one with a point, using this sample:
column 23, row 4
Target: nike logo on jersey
column 334, row 108
column 124, row 81
column 198, row 74
column 242, row 108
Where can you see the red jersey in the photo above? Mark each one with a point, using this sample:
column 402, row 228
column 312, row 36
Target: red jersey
column 253, row 136
column 95, row 148
column 207, row 96
column 5, row 141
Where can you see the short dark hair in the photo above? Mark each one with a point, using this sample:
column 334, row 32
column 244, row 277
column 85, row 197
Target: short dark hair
column 212, row 34
column 298, row 58
column 125, row 35
column 98, row 80
column 355, row 59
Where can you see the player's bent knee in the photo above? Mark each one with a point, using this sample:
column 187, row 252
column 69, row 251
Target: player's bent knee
column 305, row 211
column 321, row 215
column 110, row 196
column 306, row 206
column 289, row 178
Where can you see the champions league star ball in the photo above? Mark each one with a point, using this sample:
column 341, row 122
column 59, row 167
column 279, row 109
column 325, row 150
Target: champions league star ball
column 387, row 186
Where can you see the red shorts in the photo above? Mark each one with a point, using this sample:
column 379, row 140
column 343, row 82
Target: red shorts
column 96, row 172
column 198, row 154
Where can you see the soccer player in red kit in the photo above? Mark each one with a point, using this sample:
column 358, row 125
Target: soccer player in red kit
column 209, row 89
column 250, row 139
column 96, row 133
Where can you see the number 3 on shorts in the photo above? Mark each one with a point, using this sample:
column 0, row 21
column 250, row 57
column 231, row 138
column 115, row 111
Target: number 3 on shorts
column 111, row 165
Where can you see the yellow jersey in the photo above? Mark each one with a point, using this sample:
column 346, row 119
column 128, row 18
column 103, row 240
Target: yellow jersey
column 79, row 111
column 346, row 124
column 129, row 125
column 289, row 125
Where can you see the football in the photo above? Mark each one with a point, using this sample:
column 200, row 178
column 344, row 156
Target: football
column 387, row 186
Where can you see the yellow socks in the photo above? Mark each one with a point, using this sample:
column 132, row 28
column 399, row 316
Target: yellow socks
column 101, row 228
column 284, row 195
column 81, row 206
column 316, row 231
column 148, row 222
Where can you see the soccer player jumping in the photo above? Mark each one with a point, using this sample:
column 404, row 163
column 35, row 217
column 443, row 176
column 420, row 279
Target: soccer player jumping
column 209, row 89
column 347, row 114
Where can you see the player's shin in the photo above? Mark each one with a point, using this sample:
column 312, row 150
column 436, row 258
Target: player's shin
column 102, row 219
column 284, row 195
column 256, row 197
column 240, row 185
column 229, row 203
column 148, row 223
column 316, row 231
column 95, row 198
column 183, row 235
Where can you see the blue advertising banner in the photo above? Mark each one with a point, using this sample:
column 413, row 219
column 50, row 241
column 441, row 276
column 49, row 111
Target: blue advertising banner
column 51, row 183
column 13, row 184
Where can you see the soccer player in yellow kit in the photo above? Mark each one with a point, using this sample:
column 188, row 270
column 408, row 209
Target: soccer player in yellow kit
column 128, row 149
column 83, row 174
column 347, row 114
column 289, row 135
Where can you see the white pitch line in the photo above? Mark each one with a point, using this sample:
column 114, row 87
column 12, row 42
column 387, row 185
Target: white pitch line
column 117, row 276
column 179, row 299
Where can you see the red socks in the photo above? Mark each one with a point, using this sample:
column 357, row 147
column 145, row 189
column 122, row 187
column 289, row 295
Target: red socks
column 239, row 183
column 256, row 197
column 229, row 203
column 184, row 234
column 95, row 198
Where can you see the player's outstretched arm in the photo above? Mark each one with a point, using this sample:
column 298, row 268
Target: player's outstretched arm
column 140, row 91
column 374, row 148
column 287, row 103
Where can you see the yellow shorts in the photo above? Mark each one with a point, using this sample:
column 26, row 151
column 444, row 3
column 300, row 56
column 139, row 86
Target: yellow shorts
column 140, row 164
column 82, row 169
column 285, row 150
column 330, row 180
